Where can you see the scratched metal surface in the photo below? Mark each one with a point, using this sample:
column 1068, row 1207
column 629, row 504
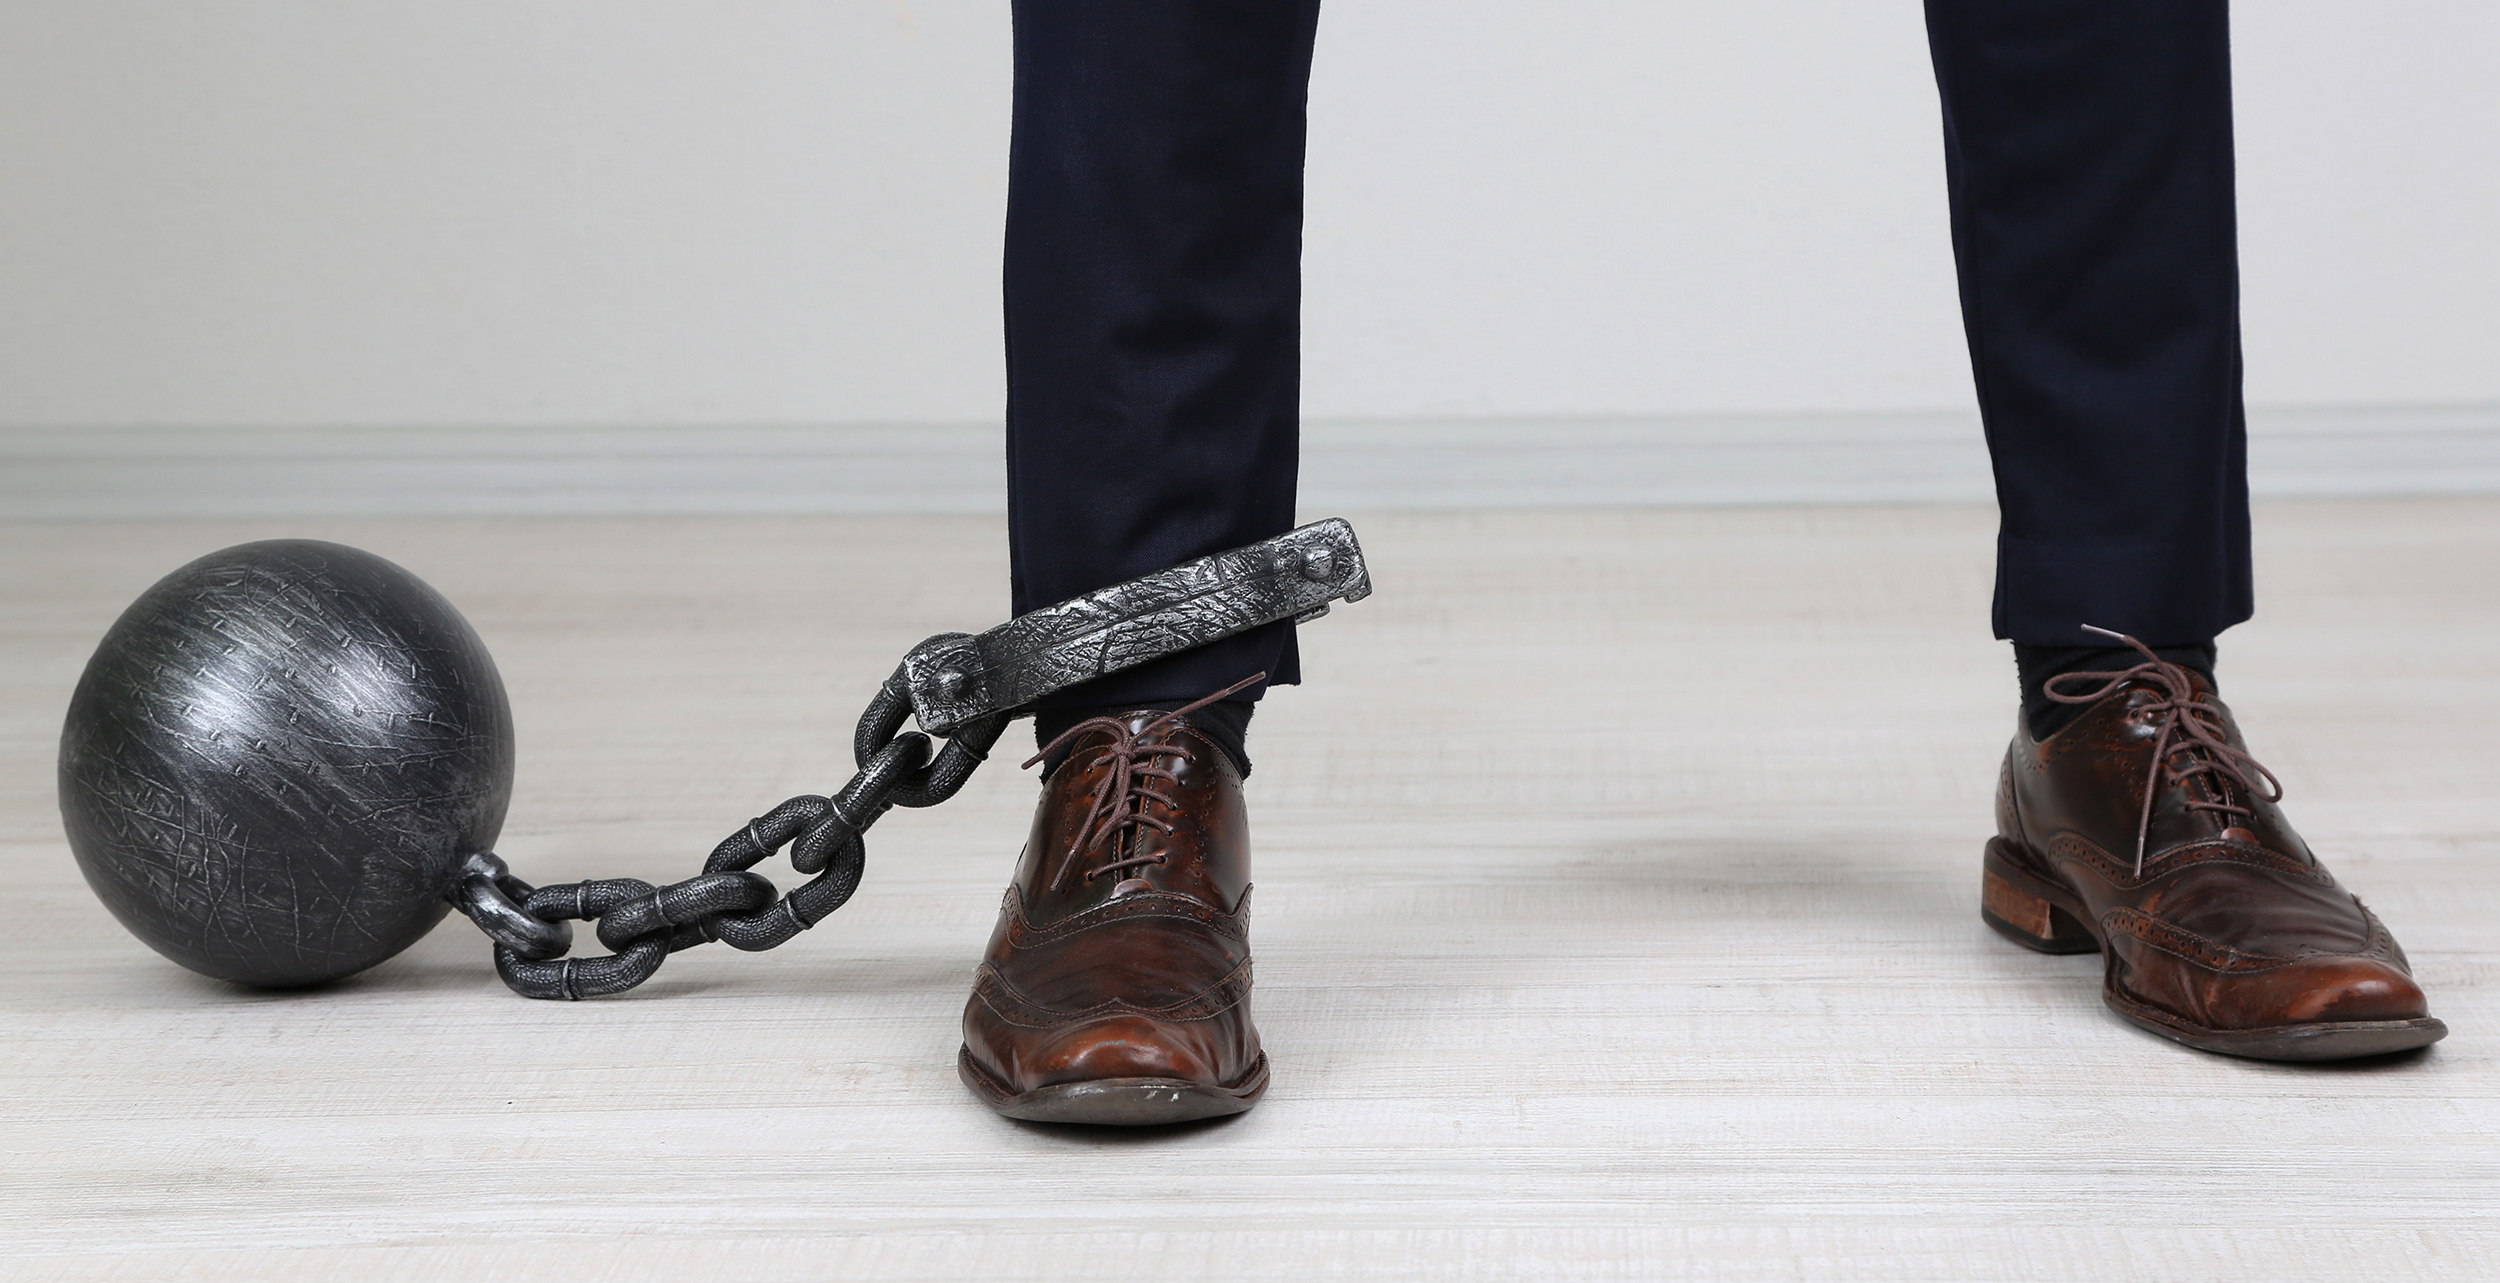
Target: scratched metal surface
column 1295, row 575
column 277, row 758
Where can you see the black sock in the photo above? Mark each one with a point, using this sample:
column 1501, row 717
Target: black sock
column 2037, row 665
column 1226, row 721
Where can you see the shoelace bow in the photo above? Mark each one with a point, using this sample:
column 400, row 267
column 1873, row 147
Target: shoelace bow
column 1119, row 801
column 2195, row 724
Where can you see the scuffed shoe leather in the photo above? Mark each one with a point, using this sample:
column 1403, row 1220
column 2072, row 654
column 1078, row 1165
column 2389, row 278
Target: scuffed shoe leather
column 2145, row 830
column 1116, row 987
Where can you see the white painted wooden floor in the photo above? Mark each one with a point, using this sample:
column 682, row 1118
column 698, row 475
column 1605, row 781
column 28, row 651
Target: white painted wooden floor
column 1618, row 920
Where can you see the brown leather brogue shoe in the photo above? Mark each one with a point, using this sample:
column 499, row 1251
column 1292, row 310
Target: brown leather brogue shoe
column 2145, row 830
column 1116, row 988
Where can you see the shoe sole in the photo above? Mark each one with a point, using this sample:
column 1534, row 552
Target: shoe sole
column 2045, row 917
column 1116, row 1102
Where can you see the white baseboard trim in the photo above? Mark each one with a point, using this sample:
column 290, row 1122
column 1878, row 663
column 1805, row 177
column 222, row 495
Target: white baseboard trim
column 871, row 468
column 204, row 472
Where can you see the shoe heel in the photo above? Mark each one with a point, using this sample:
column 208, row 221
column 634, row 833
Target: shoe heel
column 2028, row 920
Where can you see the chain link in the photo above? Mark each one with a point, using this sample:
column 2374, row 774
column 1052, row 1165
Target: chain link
column 492, row 898
column 642, row 924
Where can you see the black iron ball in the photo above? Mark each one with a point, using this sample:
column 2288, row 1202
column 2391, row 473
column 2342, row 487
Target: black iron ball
column 278, row 758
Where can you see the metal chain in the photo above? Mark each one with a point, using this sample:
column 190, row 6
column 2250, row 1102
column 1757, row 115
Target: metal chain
column 643, row 924
column 956, row 685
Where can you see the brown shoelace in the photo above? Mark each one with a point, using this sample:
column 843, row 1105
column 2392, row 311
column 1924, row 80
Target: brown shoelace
column 1120, row 800
column 2189, row 739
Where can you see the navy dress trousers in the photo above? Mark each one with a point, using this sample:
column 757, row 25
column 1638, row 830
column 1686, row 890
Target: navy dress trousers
column 1153, row 292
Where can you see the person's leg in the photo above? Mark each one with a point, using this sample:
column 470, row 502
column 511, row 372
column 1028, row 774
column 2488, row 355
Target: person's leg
column 1153, row 292
column 2088, row 163
column 2088, row 150
column 1153, row 283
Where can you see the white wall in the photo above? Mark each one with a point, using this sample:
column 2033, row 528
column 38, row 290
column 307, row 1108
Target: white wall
column 264, row 212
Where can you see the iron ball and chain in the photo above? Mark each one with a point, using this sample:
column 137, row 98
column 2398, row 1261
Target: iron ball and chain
column 288, row 759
